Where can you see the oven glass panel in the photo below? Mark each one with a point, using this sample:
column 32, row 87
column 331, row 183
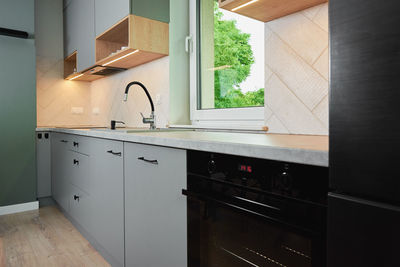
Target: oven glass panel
column 222, row 237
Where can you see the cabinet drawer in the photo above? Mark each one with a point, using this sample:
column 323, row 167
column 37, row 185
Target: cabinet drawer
column 80, row 174
column 80, row 207
column 61, row 140
column 79, row 144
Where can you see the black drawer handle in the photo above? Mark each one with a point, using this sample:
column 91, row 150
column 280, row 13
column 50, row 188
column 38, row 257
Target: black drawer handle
column 76, row 162
column 76, row 197
column 76, row 144
column 152, row 161
column 63, row 141
column 115, row 153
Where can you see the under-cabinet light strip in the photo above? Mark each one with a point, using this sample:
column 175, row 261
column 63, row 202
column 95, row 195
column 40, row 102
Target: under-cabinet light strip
column 77, row 76
column 246, row 4
column 124, row 56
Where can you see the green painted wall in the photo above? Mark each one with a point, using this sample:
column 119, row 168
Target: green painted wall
column 17, row 105
column 152, row 9
column 179, row 63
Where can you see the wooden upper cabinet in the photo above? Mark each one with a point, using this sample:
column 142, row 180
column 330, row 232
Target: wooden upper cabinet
column 267, row 10
column 131, row 42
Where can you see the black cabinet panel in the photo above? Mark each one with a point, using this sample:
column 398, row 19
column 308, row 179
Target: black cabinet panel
column 365, row 98
column 362, row 234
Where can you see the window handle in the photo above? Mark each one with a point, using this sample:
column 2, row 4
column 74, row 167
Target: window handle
column 189, row 44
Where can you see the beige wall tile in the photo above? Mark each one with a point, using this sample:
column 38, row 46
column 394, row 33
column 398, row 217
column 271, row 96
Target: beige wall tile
column 56, row 96
column 301, row 78
column 321, row 18
column 296, row 117
column 322, row 64
column 311, row 12
column 302, row 35
column 322, row 111
column 107, row 94
column 276, row 126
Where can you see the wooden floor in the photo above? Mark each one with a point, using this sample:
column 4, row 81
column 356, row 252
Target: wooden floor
column 44, row 238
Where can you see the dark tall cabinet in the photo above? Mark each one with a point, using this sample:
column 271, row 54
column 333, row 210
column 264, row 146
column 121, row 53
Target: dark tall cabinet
column 364, row 205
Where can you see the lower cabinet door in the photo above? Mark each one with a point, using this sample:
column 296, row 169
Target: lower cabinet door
column 107, row 194
column 362, row 233
column 60, row 170
column 81, row 208
column 155, row 210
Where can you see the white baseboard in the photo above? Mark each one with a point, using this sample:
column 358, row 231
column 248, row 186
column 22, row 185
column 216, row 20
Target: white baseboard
column 19, row 208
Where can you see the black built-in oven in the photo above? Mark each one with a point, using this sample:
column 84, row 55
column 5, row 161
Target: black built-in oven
column 253, row 212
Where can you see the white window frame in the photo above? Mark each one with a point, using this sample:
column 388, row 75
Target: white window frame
column 246, row 117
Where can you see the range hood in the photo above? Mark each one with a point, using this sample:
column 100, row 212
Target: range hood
column 102, row 70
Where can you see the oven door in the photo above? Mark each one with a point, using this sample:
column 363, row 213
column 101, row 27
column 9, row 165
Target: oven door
column 221, row 234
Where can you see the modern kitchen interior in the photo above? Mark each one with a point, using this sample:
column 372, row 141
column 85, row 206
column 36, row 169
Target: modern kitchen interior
column 199, row 133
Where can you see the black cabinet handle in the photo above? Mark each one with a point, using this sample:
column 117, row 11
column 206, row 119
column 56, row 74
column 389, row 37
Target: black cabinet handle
column 76, row 197
column 76, row 162
column 152, row 161
column 76, row 144
column 63, row 141
column 115, row 153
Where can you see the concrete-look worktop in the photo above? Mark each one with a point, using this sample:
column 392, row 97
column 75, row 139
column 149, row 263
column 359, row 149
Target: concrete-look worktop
column 304, row 149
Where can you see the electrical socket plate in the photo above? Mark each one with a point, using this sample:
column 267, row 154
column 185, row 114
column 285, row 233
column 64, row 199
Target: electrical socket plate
column 77, row 110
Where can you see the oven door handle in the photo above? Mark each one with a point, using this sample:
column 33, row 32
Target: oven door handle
column 205, row 197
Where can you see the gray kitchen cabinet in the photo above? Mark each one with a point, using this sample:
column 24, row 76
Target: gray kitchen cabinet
column 79, row 32
column 81, row 208
column 80, row 176
column 155, row 210
column 60, row 169
column 107, row 196
column 108, row 13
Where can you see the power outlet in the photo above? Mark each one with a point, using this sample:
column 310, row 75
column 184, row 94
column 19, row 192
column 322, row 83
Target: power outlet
column 77, row 110
column 96, row 111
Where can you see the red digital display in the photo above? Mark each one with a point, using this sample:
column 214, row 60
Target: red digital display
column 245, row 168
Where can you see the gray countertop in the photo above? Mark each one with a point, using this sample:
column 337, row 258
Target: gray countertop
column 312, row 150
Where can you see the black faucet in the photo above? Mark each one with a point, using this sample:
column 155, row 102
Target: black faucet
column 152, row 118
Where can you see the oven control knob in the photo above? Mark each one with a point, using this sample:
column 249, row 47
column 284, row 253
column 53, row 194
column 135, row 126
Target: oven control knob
column 286, row 178
column 211, row 166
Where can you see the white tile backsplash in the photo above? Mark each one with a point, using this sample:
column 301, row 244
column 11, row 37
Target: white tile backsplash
column 297, row 62
column 296, row 83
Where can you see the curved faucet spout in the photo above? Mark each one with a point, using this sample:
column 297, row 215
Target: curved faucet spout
column 145, row 90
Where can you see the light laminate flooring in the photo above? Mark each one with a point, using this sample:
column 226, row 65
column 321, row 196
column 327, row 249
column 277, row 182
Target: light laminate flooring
column 44, row 238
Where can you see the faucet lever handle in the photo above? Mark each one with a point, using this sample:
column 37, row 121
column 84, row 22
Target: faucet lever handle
column 142, row 115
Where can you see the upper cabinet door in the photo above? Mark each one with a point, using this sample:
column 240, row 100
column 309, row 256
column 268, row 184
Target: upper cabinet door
column 108, row 13
column 79, row 33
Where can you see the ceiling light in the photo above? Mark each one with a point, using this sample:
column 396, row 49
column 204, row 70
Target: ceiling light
column 75, row 77
column 246, row 4
column 124, row 56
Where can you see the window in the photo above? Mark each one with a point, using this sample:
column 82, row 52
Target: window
column 227, row 67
